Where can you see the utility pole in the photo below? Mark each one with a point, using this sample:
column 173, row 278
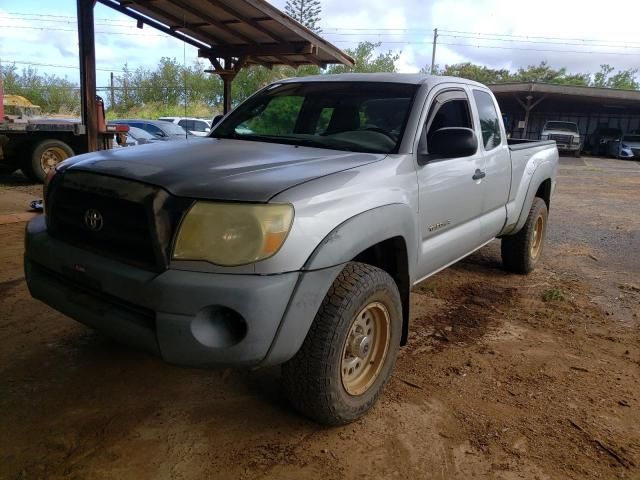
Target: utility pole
column 112, row 100
column 433, row 53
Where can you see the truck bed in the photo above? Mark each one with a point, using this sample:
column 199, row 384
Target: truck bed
column 523, row 143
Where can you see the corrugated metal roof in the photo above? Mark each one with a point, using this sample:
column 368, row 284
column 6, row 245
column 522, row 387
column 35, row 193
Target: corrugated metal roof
column 252, row 30
column 566, row 90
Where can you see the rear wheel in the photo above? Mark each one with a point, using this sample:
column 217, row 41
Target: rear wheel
column 45, row 156
column 350, row 350
column 522, row 251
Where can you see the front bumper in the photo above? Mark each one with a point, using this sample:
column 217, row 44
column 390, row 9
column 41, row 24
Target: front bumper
column 186, row 317
column 568, row 147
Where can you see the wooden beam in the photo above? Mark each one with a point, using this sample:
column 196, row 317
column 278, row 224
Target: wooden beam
column 141, row 16
column 86, row 41
column 257, row 50
column 249, row 21
column 214, row 21
column 297, row 28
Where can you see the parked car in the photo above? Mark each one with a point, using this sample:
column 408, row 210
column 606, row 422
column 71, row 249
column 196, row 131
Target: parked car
column 598, row 141
column 627, row 147
column 565, row 134
column 161, row 130
column 135, row 136
column 195, row 126
column 298, row 243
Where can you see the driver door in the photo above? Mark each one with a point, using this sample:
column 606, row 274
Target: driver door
column 450, row 190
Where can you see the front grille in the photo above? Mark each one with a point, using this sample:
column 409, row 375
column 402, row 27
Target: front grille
column 563, row 139
column 135, row 227
column 96, row 297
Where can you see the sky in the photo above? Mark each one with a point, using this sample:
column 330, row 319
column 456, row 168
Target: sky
column 495, row 33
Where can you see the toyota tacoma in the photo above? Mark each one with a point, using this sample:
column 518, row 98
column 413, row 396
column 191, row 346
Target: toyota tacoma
column 295, row 231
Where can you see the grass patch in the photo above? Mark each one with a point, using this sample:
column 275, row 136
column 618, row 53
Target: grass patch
column 553, row 295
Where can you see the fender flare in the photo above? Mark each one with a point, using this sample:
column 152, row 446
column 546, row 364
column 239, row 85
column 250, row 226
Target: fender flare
column 543, row 172
column 364, row 230
column 340, row 246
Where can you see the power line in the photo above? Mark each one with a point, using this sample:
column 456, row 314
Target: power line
column 553, row 50
column 74, row 30
column 73, row 67
column 498, row 39
column 72, row 19
column 533, row 36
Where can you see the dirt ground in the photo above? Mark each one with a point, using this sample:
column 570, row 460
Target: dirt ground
column 505, row 377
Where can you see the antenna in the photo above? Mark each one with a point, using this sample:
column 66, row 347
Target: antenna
column 184, row 77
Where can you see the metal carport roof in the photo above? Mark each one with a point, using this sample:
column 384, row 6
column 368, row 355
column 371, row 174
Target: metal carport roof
column 230, row 33
column 252, row 30
column 528, row 95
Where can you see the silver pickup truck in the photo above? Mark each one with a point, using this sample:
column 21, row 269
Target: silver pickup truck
column 294, row 233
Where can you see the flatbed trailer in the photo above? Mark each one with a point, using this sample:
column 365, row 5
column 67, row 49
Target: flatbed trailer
column 36, row 145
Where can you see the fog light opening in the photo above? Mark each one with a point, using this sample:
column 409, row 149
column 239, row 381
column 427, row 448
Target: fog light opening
column 218, row 327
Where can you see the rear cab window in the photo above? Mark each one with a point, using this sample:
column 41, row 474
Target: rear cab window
column 489, row 120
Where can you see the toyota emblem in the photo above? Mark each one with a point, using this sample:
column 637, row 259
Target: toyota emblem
column 93, row 220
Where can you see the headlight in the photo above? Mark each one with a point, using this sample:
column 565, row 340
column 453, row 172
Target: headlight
column 232, row 233
column 576, row 140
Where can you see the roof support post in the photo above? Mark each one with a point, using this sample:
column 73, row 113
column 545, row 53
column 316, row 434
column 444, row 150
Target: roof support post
column 226, row 91
column 527, row 110
column 86, row 41
column 227, row 72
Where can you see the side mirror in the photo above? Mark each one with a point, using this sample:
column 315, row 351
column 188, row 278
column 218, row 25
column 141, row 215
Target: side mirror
column 215, row 120
column 207, row 129
column 450, row 142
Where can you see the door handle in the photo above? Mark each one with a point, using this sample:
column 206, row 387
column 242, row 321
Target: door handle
column 479, row 174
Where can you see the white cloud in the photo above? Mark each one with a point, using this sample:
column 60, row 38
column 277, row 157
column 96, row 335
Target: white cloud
column 412, row 20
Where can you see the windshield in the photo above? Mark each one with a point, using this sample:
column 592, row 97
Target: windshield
column 564, row 126
column 352, row 116
column 140, row 134
column 631, row 138
column 173, row 129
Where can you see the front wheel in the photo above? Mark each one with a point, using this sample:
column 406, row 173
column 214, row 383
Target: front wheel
column 522, row 251
column 350, row 350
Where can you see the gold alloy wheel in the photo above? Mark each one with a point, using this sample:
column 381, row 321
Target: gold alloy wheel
column 538, row 235
column 365, row 349
column 51, row 157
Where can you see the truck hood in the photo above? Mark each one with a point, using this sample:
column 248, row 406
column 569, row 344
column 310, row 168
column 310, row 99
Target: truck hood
column 220, row 169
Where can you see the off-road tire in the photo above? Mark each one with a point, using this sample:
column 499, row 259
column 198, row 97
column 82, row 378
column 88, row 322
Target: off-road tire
column 33, row 167
column 517, row 249
column 312, row 379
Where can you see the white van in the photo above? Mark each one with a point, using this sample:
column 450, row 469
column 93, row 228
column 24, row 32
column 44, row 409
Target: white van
column 195, row 126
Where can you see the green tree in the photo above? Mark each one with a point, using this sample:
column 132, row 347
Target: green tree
column 307, row 12
column 366, row 60
column 600, row 78
column 623, row 79
column 52, row 93
column 468, row 70
column 545, row 74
